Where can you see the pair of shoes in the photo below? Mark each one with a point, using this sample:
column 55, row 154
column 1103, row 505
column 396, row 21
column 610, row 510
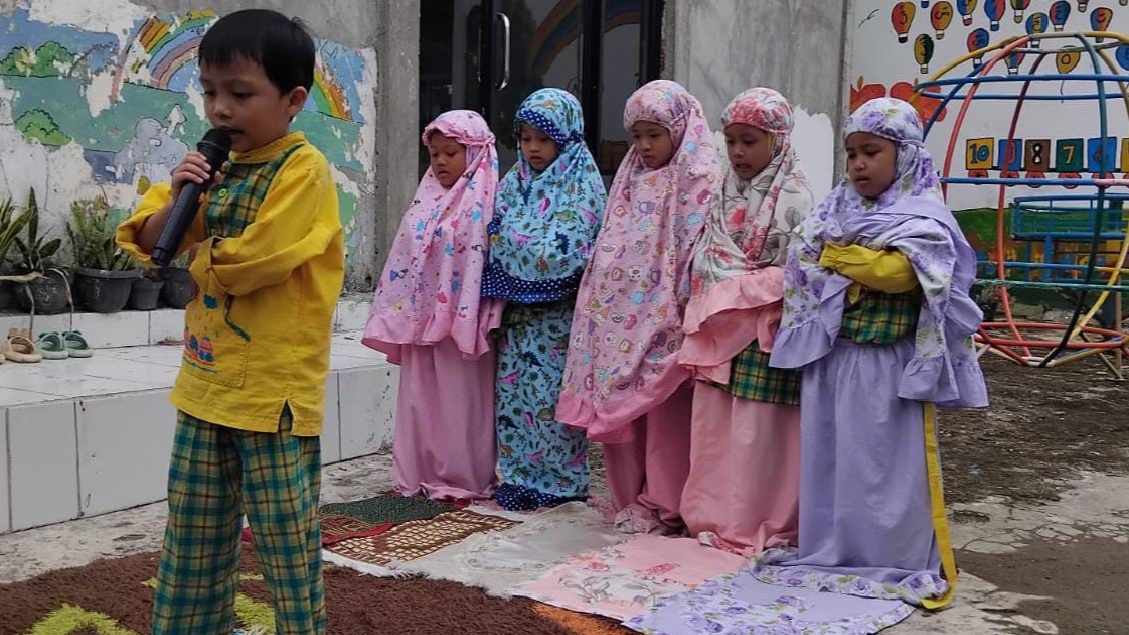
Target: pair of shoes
column 63, row 344
column 19, row 348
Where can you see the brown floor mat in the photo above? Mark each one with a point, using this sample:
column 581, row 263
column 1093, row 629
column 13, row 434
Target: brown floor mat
column 357, row 605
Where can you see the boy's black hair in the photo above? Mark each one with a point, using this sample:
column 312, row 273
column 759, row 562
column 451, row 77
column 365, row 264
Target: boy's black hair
column 281, row 45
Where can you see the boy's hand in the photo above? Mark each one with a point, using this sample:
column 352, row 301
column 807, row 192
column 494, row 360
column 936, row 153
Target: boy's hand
column 193, row 169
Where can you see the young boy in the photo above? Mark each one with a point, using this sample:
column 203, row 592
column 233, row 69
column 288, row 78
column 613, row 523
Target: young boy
column 268, row 259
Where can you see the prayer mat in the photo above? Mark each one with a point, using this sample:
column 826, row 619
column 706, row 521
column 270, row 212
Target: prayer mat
column 374, row 516
column 501, row 560
column 626, row 580
column 740, row 603
column 413, row 539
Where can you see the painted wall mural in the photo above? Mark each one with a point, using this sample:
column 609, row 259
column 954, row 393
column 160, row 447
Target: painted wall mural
column 897, row 45
column 112, row 106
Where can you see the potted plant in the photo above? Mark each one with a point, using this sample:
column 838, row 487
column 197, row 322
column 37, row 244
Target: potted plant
column 11, row 224
column 146, row 292
column 177, row 291
column 44, row 287
column 105, row 274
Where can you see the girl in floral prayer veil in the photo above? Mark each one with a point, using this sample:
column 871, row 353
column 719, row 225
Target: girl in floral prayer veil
column 549, row 209
column 877, row 314
column 623, row 383
column 746, row 418
column 428, row 316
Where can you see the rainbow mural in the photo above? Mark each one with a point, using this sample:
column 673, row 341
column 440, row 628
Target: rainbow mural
column 327, row 96
column 169, row 48
column 161, row 53
column 561, row 27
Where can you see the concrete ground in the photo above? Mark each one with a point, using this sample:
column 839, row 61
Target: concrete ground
column 1023, row 566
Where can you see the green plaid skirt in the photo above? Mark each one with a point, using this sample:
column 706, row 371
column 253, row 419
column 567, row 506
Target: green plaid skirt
column 751, row 378
column 881, row 318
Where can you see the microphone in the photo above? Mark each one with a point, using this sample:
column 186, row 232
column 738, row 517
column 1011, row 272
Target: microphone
column 215, row 147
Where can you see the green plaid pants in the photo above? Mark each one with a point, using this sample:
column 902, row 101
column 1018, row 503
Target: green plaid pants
column 216, row 473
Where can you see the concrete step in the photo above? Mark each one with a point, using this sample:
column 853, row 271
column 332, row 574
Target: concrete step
column 81, row 437
column 147, row 328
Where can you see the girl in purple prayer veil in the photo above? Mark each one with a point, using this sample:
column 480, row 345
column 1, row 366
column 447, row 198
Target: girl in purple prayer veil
column 877, row 315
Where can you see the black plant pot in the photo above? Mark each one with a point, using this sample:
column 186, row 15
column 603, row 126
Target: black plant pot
column 7, row 295
column 49, row 293
column 103, row 291
column 146, row 294
column 177, row 292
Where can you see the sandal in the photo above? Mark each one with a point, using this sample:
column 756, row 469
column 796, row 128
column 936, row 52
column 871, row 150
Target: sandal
column 51, row 345
column 19, row 348
column 76, row 344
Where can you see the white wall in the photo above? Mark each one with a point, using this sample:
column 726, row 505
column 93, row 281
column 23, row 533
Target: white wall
column 720, row 48
column 881, row 64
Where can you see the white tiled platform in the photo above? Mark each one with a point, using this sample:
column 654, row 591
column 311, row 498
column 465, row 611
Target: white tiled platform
column 81, row 437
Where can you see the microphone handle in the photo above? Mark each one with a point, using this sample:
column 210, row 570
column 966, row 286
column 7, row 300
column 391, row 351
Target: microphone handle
column 184, row 211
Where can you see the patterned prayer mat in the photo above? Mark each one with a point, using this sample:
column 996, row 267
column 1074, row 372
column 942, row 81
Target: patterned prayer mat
column 374, row 516
column 629, row 579
column 115, row 597
column 499, row 561
column 417, row 538
column 740, row 603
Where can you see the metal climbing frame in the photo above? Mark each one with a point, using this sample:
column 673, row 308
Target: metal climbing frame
column 1090, row 219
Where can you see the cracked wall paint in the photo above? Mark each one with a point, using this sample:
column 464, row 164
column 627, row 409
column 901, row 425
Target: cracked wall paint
column 102, row 97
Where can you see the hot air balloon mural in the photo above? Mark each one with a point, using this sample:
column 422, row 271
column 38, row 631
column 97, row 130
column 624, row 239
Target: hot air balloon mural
column 1083, row 5
column 977, row 40
column 994, row 9
column 967, row 7
column 1036, row 24
column 923, row 51
column 1060, row 13
column 1123, row 56
column 902, row 19
column 1013, row 61
column 1100, row 19
column 1067, row 60
column 941, row 17
column 1019, row 6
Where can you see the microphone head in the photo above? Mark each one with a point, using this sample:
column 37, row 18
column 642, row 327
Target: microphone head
column 215, row 145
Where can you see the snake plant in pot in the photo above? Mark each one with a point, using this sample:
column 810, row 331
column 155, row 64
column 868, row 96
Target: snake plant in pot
column 43, row 288
column 105, row 274
column 11, row 224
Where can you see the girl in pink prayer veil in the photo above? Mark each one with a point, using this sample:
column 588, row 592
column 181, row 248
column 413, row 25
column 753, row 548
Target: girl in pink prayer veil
column 428, row 316
column 622, row 381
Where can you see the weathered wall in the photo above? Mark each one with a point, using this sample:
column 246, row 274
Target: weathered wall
column 397, row 146
column 101, row 97
column 719, row 48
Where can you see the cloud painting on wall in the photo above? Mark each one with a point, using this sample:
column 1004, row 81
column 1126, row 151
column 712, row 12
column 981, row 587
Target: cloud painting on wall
column 128, row 97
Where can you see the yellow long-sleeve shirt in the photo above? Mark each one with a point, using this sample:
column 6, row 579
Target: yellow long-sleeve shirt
column 269, row 269
column 888, row 271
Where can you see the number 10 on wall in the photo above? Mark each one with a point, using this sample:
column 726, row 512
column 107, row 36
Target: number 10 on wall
column 980, row 154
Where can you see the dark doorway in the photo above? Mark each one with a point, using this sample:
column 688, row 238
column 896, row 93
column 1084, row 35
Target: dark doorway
column 489, row 55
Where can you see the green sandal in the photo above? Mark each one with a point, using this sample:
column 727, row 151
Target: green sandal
column 76, row 344
column 51, row 345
